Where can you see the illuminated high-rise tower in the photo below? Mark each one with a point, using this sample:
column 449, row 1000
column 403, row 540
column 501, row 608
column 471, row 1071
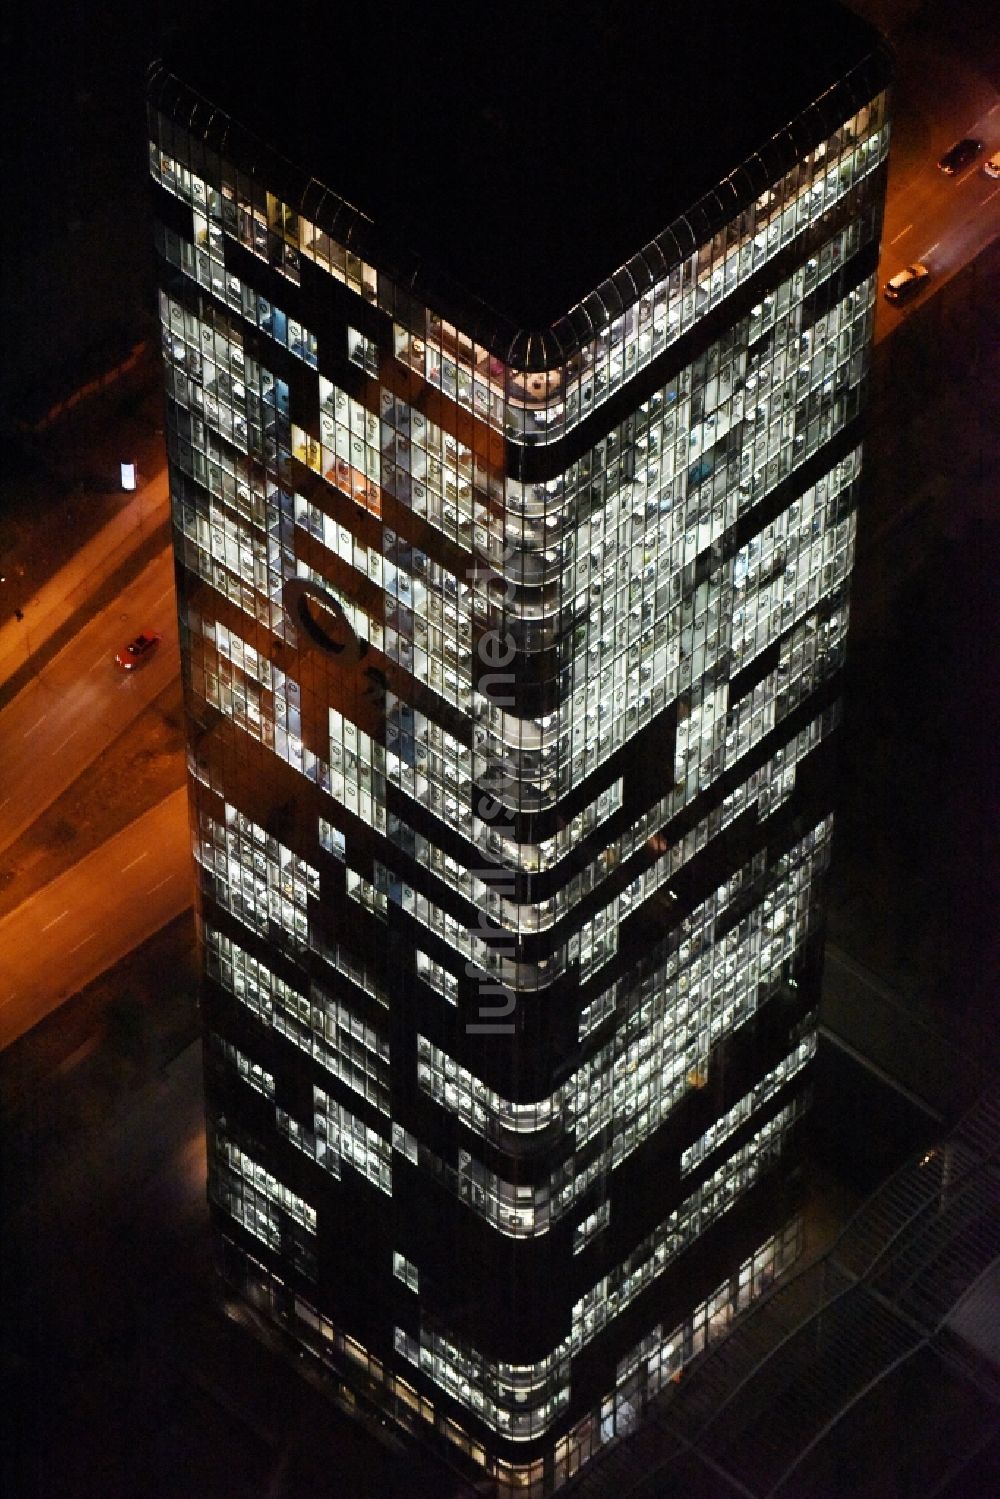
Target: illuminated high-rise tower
column 515, row 363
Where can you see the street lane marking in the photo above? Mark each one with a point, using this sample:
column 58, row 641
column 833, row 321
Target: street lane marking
column 160, row 885
column 34, row 726
column 932, row 248
column 137, row 860
column 991, row 195
column 55, row 920
column 899, row 236
column 164, row 594
column 83, row 942
column 66, row 740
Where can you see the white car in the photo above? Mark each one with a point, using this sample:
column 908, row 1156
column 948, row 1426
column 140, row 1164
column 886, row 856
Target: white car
column 991, row 166
column 905, row 284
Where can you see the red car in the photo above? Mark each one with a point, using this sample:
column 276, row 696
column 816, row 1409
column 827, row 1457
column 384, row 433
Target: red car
column 138, row 650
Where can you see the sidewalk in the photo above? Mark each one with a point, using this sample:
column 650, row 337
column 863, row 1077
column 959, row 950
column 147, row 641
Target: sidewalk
column 47, row 616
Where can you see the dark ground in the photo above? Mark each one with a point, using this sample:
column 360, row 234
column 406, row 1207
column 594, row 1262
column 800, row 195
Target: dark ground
column 122, row 1376
column 77, row 291
column 916, row 874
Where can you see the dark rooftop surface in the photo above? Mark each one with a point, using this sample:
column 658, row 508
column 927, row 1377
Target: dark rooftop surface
column 526, row 150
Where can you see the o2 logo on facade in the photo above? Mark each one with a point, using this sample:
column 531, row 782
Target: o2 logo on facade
column 321, row 615
column 323, row 618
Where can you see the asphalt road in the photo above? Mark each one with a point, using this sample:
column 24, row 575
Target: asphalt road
column 81, row 700
column 86, row 920
column 942, row 222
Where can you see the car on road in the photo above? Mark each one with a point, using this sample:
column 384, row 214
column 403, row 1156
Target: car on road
column 905, row 284
column 991, row 166
column 138, row 650
column 960, row 155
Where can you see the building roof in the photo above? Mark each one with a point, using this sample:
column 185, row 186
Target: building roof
column 526, row 152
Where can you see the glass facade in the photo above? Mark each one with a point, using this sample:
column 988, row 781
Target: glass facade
column 511, row 690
